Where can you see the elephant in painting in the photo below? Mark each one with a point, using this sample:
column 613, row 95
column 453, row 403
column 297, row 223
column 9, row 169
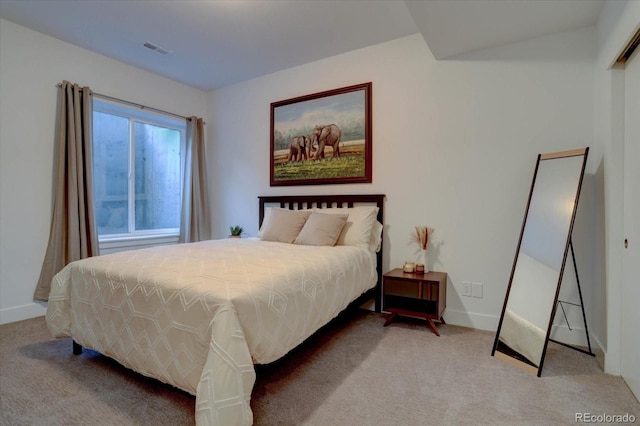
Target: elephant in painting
column 324, row 135
column 298, row 148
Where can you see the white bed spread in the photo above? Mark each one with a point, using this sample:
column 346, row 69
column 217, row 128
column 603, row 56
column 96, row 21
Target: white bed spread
column 523, row 336
column 198, row 316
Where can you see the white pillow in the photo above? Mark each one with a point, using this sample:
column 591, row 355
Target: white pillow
column 321, row 229
column 359, row 227
column 375, row 244
column 267, row 217
column 284, row 225
column 265, row 220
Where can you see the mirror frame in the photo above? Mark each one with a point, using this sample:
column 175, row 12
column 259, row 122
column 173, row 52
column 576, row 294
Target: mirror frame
column 510, row 358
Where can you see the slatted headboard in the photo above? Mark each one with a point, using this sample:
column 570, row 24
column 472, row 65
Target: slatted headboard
column 298, row 202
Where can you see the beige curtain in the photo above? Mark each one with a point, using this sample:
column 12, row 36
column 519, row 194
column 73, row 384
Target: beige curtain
column 195, row 223
column 73, row 233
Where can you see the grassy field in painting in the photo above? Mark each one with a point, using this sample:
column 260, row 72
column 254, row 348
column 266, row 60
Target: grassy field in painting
column 349, row 164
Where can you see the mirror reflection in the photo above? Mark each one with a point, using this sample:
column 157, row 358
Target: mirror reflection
column 540, row 258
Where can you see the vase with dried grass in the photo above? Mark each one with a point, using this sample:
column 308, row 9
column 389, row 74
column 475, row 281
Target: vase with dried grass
column 422, row 236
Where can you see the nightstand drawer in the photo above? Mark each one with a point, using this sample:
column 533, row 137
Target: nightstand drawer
column 401, row 287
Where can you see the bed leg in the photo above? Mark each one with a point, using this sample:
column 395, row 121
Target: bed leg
column 77, row 349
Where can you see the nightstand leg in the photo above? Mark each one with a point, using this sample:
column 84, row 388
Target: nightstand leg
column 442, row 320
column 389, row 319
column 432, row 326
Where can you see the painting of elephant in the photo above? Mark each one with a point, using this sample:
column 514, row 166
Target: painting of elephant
column 325, row 135
column 302, row 127
column 299, row 148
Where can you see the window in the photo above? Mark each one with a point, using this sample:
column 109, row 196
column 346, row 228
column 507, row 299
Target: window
column 138, row 169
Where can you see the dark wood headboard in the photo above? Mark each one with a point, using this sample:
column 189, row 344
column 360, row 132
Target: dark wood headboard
column 298, row 202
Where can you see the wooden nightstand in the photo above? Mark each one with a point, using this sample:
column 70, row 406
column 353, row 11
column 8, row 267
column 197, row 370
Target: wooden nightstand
column 423, row 296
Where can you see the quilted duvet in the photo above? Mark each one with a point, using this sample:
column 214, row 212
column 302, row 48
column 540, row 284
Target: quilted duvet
column 199, row 315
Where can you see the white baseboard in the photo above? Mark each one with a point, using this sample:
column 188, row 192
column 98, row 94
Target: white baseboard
column 600, row 351
column 19, row 313
column 575, row 337
column 471, row 320
column 561, row 333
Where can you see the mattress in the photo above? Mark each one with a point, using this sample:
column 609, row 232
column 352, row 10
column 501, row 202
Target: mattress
column 199, row 315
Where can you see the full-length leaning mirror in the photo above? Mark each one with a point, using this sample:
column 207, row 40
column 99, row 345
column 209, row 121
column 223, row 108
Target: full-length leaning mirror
column 532, row 295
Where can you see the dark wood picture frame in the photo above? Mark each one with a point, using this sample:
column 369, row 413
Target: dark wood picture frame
column 322, row 138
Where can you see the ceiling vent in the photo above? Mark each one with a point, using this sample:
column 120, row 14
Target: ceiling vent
column 157, row 49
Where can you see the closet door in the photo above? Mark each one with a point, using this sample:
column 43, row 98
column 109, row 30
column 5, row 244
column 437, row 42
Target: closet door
column 630, row 337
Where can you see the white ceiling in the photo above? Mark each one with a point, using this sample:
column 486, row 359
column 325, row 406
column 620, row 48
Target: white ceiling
column 217, row 43
column 453, row 27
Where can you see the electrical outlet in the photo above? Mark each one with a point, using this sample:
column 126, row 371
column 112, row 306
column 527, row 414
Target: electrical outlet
column 476, row 290
column 466, row 288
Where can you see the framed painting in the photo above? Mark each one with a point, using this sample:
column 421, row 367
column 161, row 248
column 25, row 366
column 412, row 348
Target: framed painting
column 322, row 138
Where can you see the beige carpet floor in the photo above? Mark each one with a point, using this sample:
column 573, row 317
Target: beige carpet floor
column 352, row 372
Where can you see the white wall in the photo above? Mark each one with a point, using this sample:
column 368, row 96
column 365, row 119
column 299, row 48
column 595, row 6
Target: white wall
column 454, row 147
column 31, row 64
column 617, row 23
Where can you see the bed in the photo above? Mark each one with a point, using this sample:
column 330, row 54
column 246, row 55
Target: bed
column 198, row 316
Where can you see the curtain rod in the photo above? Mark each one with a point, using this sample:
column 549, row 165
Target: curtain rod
column 111, row 98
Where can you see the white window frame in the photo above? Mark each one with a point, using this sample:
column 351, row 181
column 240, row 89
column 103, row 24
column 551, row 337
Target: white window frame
column 140, row 238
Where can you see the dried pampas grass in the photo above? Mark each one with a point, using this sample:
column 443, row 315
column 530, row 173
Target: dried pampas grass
column 423, row 233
